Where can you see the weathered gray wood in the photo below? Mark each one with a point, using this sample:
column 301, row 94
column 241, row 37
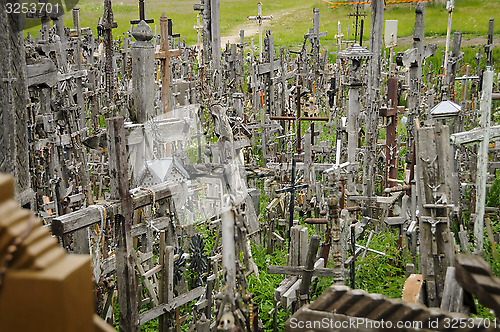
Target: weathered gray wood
column 309, row 267
column 119, row 188
column 13, row 111
column 86, row 217
column 143, row 74
column 482, row 160
column 175, row 303
column 298, row 270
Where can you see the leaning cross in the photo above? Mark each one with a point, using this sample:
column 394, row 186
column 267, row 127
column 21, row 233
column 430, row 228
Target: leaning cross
column 164, row 56
column 483, row 135
column 142, row 14
column 306, row 272
column 293, row 187
column 259, row 18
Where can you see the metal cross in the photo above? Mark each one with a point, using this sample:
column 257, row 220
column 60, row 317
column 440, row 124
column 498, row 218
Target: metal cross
column 259, row 18
column 293, row 187
column 142, row 14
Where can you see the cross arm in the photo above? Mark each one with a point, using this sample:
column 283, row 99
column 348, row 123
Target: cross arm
column 167, row 54
column 292, row 188
column 474, row 135
column 299, row 270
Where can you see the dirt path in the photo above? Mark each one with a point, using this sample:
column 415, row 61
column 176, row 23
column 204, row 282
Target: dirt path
column 252, row 28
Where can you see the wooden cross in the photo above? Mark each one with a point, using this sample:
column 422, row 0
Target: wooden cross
column 259, row 18
column 483, row 135
column 294, row 186
column 298, row 118
column 314, row 34
column 391, row 113
column 107, row 25
column 307, row 271
column 142, row 14
column 164, row 56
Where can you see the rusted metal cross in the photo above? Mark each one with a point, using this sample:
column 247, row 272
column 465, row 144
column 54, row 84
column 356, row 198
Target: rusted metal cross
column 164, row 55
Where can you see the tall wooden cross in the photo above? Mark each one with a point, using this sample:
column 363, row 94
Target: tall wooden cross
column 391, row 114
column 314, row 34
column 142, row 14
column 259, row 18
column 164, row 56
column 294, row 186
column 483, row 135
column 107, row 25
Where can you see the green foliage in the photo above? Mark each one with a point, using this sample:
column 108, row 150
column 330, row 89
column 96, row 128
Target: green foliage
column 494, row 194
column 383, row 274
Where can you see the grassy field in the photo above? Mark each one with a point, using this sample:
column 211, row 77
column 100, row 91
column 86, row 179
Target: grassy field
column 294, row 17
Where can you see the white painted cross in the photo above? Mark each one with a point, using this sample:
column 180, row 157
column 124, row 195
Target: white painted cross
column 259, row 18
column 483, row 135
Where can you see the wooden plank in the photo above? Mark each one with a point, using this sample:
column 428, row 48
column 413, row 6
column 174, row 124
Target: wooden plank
column 298, row 270
column 175, row 303
column 91, row 215
column 309, row 270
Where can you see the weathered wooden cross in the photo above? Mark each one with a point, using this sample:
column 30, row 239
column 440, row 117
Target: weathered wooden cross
column 483, row 135
column 306, row 271
column 164, row 56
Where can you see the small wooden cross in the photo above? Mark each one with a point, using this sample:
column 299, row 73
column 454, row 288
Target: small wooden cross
column 307, row 271
column 164, row 55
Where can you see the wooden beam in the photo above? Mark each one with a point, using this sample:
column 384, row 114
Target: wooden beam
column 90, row 215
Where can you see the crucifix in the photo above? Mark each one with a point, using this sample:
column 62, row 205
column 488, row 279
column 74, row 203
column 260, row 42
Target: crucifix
column 259, row 18
column 483, row 135
column 164, row 55
column 142, row 15
column 294, row 186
